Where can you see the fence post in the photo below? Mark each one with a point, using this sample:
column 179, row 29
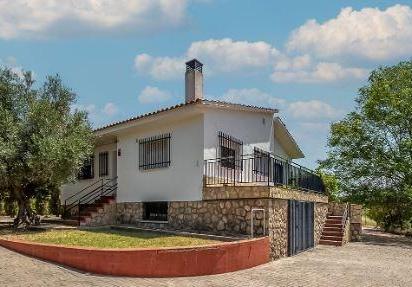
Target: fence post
column 269, row 158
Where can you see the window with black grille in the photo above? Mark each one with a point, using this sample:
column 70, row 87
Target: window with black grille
column 230, row 151
column 103, row 163
column 154, row 152
column 261, row 161
column 87, row 170
column 155, row 211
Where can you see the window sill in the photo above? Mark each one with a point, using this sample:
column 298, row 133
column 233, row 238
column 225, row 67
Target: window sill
column 153, row 221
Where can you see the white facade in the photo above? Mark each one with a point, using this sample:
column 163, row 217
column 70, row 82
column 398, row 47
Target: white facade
column 181, row 181
column 194, row 138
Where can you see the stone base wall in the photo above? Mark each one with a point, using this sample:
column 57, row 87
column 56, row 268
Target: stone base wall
column 218, row 216
column 355, row 221
column 227, row 210
column 278, row 228
column 320, row 215
column 104, row 216
column 129, row 212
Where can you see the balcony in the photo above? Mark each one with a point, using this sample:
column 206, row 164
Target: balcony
column 266, row 170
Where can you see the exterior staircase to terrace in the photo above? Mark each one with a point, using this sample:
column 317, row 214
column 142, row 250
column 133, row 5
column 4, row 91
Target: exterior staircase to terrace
column 83, row 205
column 333, row 232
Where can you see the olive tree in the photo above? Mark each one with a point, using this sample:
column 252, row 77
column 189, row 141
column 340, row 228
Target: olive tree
column 43, row 140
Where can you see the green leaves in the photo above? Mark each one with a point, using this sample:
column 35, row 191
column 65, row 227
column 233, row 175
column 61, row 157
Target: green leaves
column 370, row 151
column 42, row 141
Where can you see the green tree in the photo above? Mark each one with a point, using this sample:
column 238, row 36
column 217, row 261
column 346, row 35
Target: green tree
column 43, row 141
column 332, row 185
column 370, row 150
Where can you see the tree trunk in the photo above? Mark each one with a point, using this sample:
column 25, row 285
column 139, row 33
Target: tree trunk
column 25, row 216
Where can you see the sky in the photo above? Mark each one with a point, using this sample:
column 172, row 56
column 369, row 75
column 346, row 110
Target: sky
column 126, row 57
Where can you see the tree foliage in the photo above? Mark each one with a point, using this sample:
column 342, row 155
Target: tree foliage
column 43, row 141
column 370, row 150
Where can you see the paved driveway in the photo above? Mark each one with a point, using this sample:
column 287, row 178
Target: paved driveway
column 379, row 260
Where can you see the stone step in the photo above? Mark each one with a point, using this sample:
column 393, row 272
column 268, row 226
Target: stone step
column 333, row 225
column 330, row 242
column 332, row 233
column 336, row 229
column 333, row 221
column 332, row 237
column 334, row 216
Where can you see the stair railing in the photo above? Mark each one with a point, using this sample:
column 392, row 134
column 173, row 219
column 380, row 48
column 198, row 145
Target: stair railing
column 84, row 193
column 108, row 188
column 345, row 215
column 71, row 201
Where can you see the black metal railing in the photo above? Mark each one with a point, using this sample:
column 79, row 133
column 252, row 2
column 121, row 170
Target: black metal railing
column 88, row 195
column 268, row 170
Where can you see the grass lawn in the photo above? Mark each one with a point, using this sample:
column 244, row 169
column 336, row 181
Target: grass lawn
column 106, row 238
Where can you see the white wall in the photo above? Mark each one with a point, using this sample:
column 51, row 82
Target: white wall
column 254, row 129
column 181, row 181
column 71, row 188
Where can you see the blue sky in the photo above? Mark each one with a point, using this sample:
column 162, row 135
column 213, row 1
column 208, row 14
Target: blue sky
column 123, row 58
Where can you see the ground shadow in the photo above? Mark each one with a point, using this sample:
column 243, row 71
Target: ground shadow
column 377, row 237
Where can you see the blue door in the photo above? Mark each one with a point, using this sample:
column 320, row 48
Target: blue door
column 301, row 226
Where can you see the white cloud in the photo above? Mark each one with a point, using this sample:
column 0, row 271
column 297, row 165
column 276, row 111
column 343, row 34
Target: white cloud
column 313, row 109
column 321, row 72
column 98, row 115
column 252, row 97
column 153, row 95
column 304, row 110
column 12, row 63
column 160, row 68
column 370, row 33
column 219, row 55
column 227, row 55
column 110, row 109
column 39, row 18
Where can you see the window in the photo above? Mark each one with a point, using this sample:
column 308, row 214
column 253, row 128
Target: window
column 154, row 152
column 231, row 150
column 261, row 161
column 87, row 170
column 104, row 164
column 155, row 211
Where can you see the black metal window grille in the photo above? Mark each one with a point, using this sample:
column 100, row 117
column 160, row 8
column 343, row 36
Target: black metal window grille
column 103, row 163
column 261, row 162
column 230, row 151
column 87, row 170
column 155, row 211
column 154, row 152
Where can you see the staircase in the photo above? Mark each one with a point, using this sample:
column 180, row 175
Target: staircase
column 82, row 205
column 334, row 230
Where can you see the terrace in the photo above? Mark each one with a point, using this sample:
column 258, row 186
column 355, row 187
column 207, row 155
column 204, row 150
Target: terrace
column 260, row 169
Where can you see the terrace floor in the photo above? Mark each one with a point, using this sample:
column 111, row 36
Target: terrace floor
column 379, row 260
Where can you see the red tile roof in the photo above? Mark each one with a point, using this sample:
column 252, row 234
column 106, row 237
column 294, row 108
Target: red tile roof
column 198, row 101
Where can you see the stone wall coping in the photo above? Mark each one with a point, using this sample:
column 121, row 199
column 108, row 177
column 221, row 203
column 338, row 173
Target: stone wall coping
column 224, row 192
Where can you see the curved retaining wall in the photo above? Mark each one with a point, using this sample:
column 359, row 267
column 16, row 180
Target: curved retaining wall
column 163, row 262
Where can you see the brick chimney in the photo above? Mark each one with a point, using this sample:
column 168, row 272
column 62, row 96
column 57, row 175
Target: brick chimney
column 193, row 80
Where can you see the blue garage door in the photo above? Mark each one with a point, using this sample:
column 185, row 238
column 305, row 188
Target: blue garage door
column 301, row 227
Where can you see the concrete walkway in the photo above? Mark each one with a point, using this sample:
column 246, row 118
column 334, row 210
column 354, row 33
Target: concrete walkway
column 379, row 260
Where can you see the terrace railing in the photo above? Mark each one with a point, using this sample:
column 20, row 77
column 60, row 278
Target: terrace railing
column 261, row 170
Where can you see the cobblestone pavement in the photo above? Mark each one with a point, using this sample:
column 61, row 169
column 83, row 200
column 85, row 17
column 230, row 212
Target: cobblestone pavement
column 379, row 260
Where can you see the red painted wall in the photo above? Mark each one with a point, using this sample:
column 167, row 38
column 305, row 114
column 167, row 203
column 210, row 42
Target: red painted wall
column 164, row 262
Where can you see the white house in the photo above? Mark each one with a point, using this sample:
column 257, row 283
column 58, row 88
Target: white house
column 165, row 158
